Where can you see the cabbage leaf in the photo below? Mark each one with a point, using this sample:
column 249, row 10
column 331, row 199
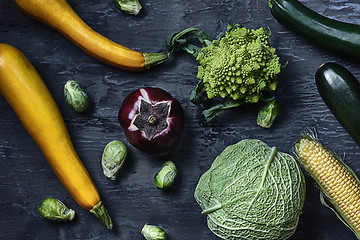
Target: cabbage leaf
column 252, row 191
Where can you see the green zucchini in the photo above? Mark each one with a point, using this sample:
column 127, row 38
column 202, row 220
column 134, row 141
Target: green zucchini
column 340, row 91
column 340, row 36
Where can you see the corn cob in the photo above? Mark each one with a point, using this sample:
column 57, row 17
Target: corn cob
column 336, row 180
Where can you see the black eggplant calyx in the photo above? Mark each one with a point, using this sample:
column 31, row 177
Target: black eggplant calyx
column 152, row 118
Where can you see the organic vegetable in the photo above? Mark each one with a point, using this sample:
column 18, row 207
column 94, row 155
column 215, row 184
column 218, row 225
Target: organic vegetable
column 267, row 113
column 151, row 232
column 239, row 66
column 152, row 120
column 340, row 91
column 55, row 210
column 130, row 6
column 338, row 183
column 252, row 191
column 340, row 36
column 165, row 177
column 59, row 15
column 27, row 94
column 113, row 158
column 76, row 97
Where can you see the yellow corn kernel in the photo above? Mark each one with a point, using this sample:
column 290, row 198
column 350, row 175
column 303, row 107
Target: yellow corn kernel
column 335, row 179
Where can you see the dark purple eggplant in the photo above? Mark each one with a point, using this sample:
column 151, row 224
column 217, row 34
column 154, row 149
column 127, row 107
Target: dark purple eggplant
column 152, row 120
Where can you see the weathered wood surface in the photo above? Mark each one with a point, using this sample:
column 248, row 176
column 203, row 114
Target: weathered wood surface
column 133, row 200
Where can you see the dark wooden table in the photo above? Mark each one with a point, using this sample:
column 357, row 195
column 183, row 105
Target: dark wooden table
column 133, row 200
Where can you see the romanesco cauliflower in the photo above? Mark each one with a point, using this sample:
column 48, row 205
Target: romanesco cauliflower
column 238, row 67
column 241, row 65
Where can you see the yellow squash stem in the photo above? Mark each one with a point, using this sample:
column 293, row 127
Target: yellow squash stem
column 27, row 94
column 59, row 15
column 336, row 180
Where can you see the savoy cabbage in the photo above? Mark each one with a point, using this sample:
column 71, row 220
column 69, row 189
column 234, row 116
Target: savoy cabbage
column 252, row 191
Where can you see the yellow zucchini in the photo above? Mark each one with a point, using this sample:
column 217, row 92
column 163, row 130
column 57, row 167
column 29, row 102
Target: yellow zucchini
column 27, row 94
column 59, row 15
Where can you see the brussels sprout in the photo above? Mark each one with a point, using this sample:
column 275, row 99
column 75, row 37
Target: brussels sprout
column 76, row 97
column 130, row 6
column 267, row 113
column 113, row 158
column 152, row 232
column 55, row 210
column 166, row 176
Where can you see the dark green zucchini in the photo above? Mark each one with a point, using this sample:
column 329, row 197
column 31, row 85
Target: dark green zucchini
column 340, row 91
column 340, row 36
